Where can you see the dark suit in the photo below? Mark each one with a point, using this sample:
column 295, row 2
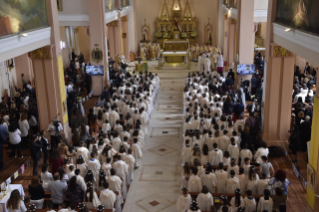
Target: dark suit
column 307, row 70
column 36, row 155
column 305, row 134
column 45, row 149
column 73, row 55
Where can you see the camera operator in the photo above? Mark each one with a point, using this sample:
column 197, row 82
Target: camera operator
column 55, row 129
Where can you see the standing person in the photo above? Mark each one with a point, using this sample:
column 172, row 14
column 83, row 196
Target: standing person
column 56, row 161
column 294, row 142
column 15, row 139
column 107, row 197
column 220, row 63
column 55, row 129
column 36, row 192
column 23, row 80
column 24, row 128
column 15, row 202
column 184, row 201
column 46, row 145
column 57, row 189
column 75, row 191
column 307, row 69
column 3, row 138
column 36, row 146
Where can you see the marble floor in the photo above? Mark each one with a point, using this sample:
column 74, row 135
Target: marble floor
column 156, row 185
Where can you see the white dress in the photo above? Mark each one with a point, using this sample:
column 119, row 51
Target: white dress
column 95, row 166
column 194, row 184
column 233, row 151
column 231, row 185
column 46, row 177
column 137, row 153
column 221, row 177
column 250, row 204
column 252, row 185
column 95, row 201
column 205, row 201
column 265, row 204
column 242, row 181
column 233, row 203
column 183, row 203
column 235, row 168
column 186, row 154
column 210, row 181
column 83, row 169
column 262, row 184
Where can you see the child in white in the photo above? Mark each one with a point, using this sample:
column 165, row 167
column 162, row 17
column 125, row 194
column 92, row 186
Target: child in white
column 265, row 202
column 209, row 179
column 232, row 183
column 262, row 184
column 184, row 201
column 249, row 202
column 205, row 200
column 215, row 156
column 194, row 182
column 221, row 177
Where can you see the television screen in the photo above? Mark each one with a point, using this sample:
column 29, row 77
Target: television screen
column 245, row 69
column 95, row 70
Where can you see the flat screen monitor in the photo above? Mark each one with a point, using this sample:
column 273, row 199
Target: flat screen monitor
column 246, row 69
column 95, row 70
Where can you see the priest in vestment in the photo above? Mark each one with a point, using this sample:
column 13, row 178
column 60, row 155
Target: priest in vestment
column 220, row 63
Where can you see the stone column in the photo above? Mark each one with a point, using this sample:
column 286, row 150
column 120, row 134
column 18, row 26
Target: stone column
column 23, row 65
column 226, row 32
column 125, row 38
column 97, row 42
column 231, row 41
column 279, row 98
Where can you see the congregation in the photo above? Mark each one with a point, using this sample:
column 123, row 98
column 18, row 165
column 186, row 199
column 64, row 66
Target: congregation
column 97, row 166
column 223, row 156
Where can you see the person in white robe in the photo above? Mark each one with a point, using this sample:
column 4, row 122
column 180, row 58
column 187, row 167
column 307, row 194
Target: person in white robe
column 80, row 179
column 232, row 183
column 224, row 141
column 207, row 64
column 121, row 168
column 91, row 199
column 113, row 117
column 260, row 152
column 221, row 176
column 116, row 141
column 236, row 201
column 265, row 202
column 215, row 156
column 252, row 180
column 205, row 199
column 249, row 202
column 233, row 166
column 184, row 201
column 83, row 151
column 233, row 149
column 186, row 152
column 245, row 153
column 194, row 182
column 137, row 152
column 115, row 183
column 81, row 164
column 209, row 180
column 262, row 184
column 107, row 166
column 46, row 177
column 242, row 179
column 94, row 165
column 130, row 161
column 107, row 197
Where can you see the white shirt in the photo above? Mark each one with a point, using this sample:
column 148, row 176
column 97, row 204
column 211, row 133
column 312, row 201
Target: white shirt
column 14, row 137
column 52, row 127
column 21, row 208
column 24, row 127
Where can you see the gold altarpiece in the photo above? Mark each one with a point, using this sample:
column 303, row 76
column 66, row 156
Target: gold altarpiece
column 176, row 26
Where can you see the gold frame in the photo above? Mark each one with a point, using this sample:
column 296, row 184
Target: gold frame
column 59, row 2
column 97, row 55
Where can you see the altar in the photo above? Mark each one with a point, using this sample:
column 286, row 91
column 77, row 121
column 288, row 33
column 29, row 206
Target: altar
column 175, row 51
column 176, row 31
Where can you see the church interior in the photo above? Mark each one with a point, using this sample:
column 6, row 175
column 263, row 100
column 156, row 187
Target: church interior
column 159, row 105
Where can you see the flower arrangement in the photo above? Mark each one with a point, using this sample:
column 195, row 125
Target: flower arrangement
column 159, row 34
column 193, row 34
column 167, row 35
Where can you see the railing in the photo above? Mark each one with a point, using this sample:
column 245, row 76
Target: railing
column 302, row 181
column 111, row 5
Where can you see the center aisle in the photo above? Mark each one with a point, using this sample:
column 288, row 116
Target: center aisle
column 156, row 184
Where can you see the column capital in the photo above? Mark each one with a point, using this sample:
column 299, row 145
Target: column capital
column 278, row 51
column 42, row 53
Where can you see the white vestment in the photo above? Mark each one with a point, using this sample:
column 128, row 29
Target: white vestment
column 107, row 198
column 205, row 201
column 221, row 177
column 210, row 181
column 183, row 203
column 194, row 184
column 231, row 185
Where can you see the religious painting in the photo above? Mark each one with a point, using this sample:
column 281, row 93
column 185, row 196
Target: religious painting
column 300, row 14
column 190, row 27
column 22, row 15
column 311, row 177
column 184, row 28
column 59, row 3
column 162, row 28
column 169, row 28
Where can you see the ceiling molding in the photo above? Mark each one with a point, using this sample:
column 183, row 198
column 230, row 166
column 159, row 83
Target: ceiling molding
column 74, row 19
column 16, row 45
